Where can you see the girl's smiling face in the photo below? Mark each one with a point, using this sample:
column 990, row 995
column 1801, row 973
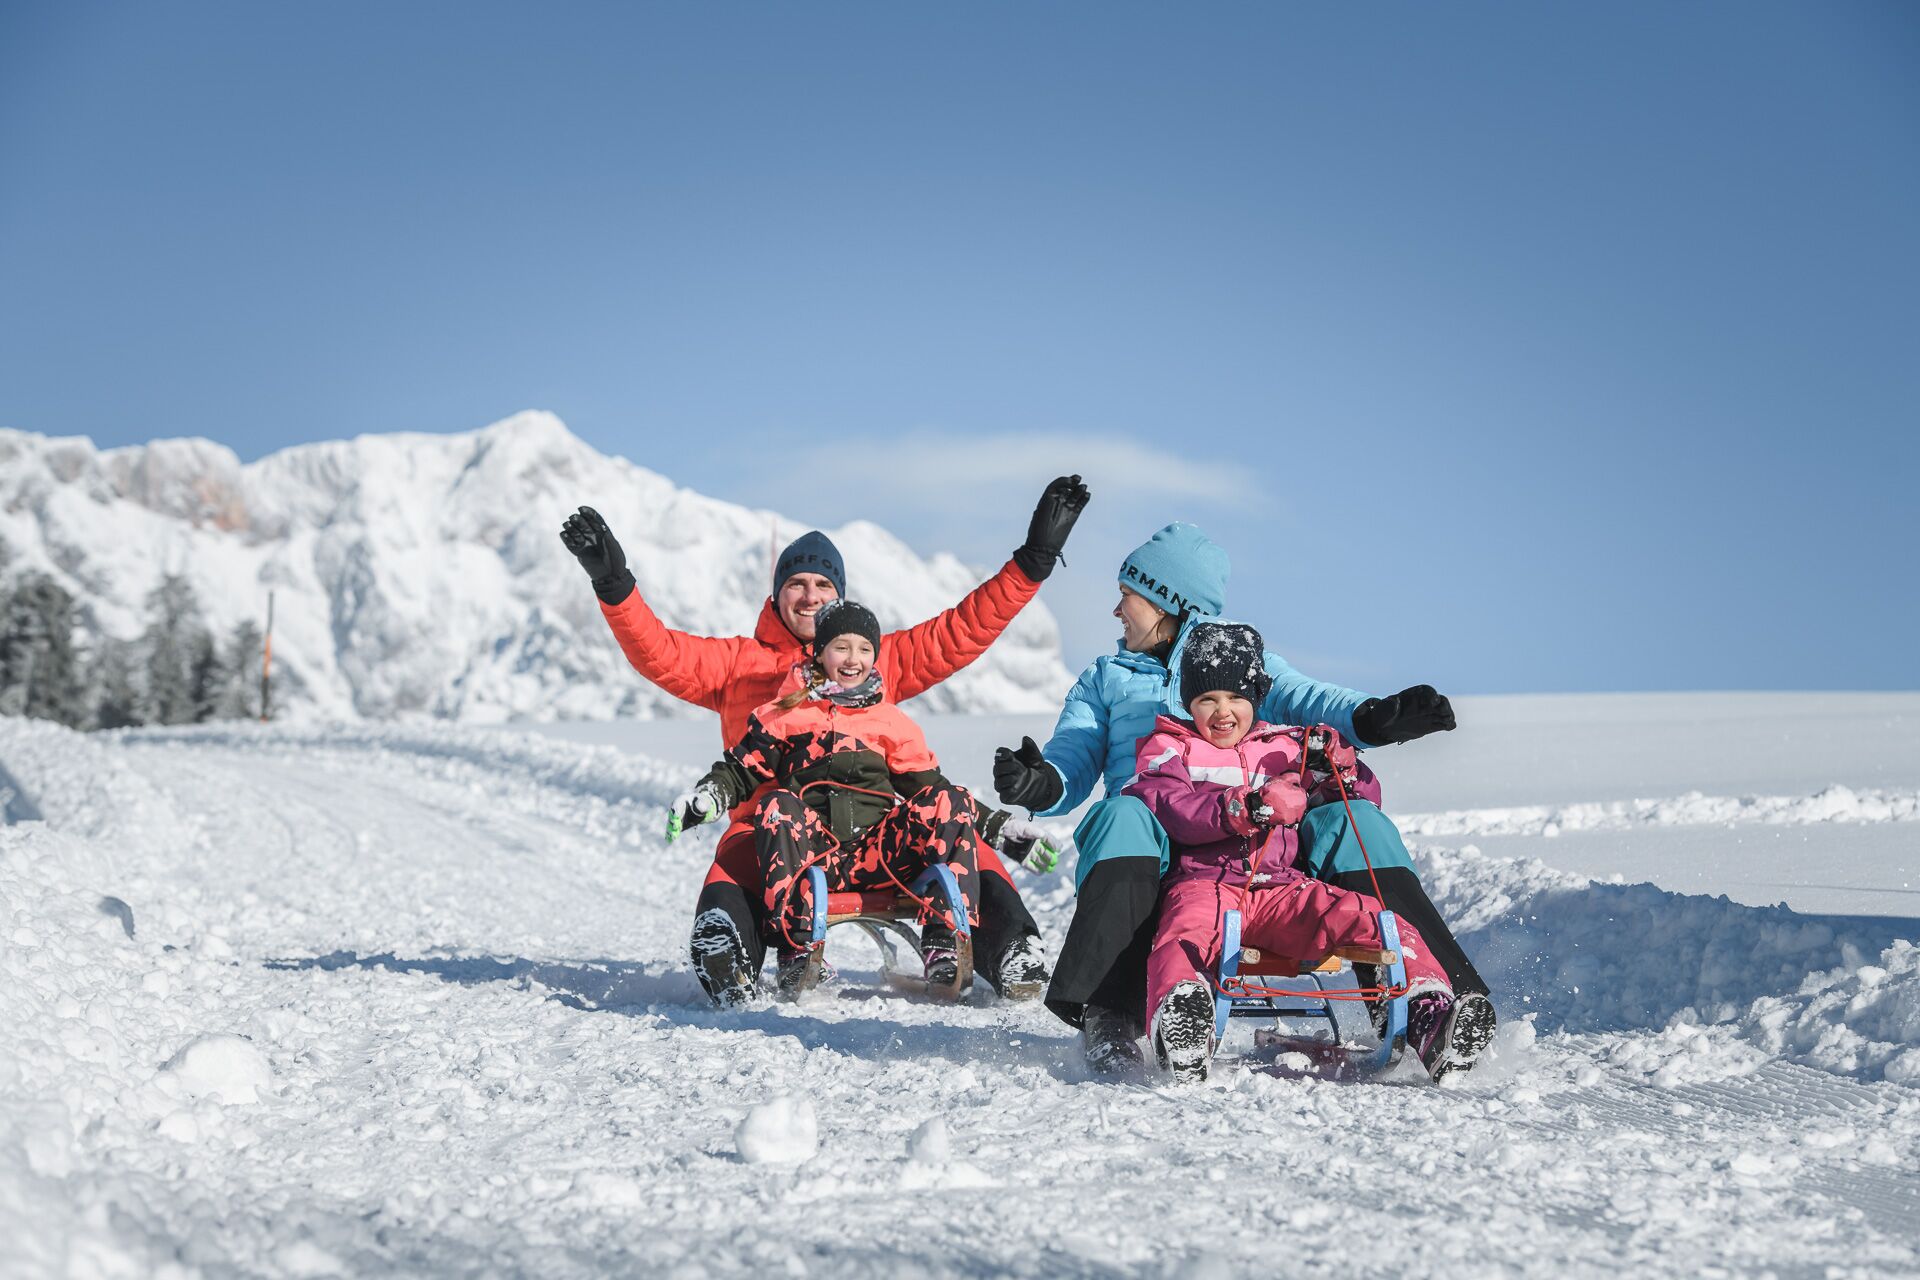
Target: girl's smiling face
column 1223, row 718
column 847, row 659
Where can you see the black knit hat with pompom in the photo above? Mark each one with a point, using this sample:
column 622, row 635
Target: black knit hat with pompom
column 841, row 617
column 1224, row 655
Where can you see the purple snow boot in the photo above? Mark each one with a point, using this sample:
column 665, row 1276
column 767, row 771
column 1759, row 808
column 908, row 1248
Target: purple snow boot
column 1446, row 1032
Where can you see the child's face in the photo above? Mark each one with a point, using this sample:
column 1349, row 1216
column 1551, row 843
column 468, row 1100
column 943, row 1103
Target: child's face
column 847, row 659
column 1223, row 718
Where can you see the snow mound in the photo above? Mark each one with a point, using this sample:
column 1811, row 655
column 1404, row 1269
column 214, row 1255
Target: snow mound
column 227, row 1068
column 1833, row 804
column 1862, row 1021
column 782, row 1130
column 1703, row 988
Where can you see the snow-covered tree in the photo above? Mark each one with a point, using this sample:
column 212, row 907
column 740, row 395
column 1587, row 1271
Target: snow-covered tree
column 178, row 655
column 240, row 674
column 110, row 683
column 39, row 669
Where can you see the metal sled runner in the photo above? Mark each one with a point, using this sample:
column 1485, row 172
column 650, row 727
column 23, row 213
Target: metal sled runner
column 887, row 915
column 1235, row 996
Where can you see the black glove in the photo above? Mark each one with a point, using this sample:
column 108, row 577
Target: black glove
column 1408, row 714
column 598, row 551
column 1053, row 519
column 1024, row 777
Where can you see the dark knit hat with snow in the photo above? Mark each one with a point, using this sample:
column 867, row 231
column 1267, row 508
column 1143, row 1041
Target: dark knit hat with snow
column 1223, row 655
column 811, row 552
column 844, row 617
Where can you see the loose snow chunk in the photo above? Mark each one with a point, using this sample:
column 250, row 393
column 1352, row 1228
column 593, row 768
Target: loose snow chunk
column 783, row 1130
column 223, row 1067
column 930, row 1162
column 932, row 1142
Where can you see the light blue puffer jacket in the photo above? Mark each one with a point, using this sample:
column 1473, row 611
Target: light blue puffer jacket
column 1113, row 704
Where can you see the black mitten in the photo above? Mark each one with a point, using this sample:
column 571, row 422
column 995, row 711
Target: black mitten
column 598, row 551
column 1409, row 714
column 1061, row 505
column 1025, row 778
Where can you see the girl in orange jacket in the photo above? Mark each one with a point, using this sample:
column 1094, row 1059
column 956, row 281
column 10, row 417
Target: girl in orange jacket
column 834, row 776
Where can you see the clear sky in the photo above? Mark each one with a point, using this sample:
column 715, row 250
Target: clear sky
column 1511, row 347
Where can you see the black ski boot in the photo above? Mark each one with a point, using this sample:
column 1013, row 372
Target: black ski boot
column 1020, row 971
column 1111, row 1041
column 801, row 971
column 721, row 960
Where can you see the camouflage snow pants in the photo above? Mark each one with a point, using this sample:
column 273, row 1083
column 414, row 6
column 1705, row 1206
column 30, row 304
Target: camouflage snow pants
column 934, row 825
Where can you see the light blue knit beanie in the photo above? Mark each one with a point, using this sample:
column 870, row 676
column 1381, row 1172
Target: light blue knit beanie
column 1179, row 569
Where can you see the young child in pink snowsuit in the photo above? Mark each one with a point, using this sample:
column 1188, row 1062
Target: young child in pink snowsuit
column 1230, row 792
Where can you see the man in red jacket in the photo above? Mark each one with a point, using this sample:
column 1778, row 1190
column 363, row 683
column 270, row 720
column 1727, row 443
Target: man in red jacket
column 735, row 674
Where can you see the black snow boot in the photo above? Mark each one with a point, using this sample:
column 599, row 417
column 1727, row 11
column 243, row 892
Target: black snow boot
column 726, row 948
column 1448, row 1034
column 1019, row 972
column 720, row 959
column 940, row 956
column 1111, row 1041
column 1006, row 941
column 800, row 971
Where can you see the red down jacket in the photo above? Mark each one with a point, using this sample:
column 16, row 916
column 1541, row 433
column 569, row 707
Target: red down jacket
column 736, row 674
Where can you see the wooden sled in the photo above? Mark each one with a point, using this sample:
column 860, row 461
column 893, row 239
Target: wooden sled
column 887, row 916
column 1321, row 1042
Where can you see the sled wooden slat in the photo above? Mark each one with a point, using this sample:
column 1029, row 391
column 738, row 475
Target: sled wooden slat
column 1257, row 963
column 884, row 904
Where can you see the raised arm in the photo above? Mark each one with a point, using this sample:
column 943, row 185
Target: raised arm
column 692, row 668
column 925, row 655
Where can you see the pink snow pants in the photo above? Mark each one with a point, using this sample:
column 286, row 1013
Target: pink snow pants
column 1303, row 919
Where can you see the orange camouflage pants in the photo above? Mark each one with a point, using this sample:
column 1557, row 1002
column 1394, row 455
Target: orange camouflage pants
column 934, row 825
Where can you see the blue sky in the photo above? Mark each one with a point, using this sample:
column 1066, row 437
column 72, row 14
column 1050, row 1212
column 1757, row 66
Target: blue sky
column 1511, row 347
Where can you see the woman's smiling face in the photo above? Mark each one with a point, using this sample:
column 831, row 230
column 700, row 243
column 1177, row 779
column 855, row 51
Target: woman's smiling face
column 1139, row 619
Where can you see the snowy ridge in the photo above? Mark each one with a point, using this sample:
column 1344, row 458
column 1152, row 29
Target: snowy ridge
column 411, row 999
column 422, row 575
column 1831, row 804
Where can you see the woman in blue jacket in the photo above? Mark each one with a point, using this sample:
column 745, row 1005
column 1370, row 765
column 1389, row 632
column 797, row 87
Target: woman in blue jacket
column 1099, row 983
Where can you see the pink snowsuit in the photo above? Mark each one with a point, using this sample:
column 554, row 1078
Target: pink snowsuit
column 1188, row 782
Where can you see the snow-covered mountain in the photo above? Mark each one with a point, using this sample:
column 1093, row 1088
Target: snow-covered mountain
column 422, row 574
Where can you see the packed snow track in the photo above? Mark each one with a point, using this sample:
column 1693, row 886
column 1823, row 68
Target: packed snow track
column 414, row 1001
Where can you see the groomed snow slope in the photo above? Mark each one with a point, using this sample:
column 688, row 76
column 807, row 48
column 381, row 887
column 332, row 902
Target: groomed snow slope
column 413, row 1001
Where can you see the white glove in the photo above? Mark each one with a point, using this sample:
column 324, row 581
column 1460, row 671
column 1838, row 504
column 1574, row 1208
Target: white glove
column 702, row 804
column 1027, row 842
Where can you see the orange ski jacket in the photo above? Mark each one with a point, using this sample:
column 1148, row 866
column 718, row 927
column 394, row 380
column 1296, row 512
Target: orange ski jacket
column 849, row 764
column 736, row 674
